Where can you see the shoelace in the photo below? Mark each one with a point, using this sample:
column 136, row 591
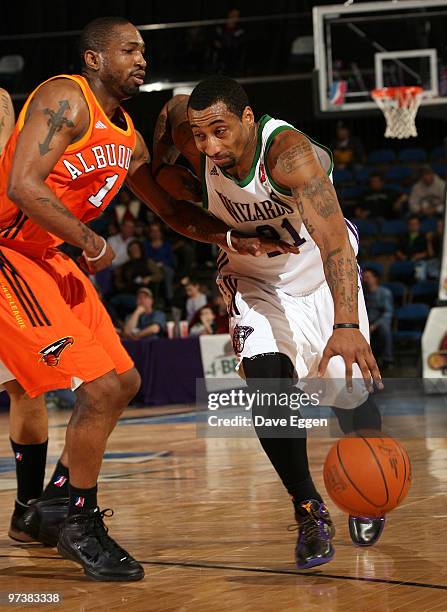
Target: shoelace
column 311, row 526
column 101, row 531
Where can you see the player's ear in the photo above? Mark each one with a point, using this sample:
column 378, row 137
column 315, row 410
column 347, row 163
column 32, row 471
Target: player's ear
column 248, row 116
column 92, row 60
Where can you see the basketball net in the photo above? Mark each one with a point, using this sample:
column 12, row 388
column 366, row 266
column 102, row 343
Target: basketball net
column 399, row 106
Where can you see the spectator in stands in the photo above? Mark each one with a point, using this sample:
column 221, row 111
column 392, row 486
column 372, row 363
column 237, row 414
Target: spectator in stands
column 380, row 308
column 145, row 321
column 128, row 206
column 119, row 242
column 347, row 150
column 160, row 250
column 380, row 202
column 206, row 325
column 138, row 272
column 413, row 246
column 229, row 46
column 196, row 299
column 434, row 250
column 427, row 194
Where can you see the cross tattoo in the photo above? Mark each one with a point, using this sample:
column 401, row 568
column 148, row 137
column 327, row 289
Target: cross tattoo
column 55, row 123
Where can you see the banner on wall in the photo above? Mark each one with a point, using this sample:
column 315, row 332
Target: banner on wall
column 434, row 351
column 219, row 362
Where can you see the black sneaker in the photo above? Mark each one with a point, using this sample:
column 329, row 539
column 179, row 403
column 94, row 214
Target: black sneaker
column 17, row 529
column 315, row 533
column 365, row 531
column 40, row 522
column 84, row 539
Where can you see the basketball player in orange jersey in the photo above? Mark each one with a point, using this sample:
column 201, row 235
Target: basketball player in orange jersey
column 28, row 419
column 71, row 150
column 278, row 335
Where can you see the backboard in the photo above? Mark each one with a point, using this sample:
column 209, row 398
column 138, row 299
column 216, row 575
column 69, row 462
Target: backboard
column 379, row 44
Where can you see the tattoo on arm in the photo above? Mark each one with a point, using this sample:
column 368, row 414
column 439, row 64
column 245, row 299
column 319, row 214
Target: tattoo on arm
column 294, row 158
column 161, row 132
column 87, row 236
column 300, row 206
column 55, row 123
column 321, row 195
column 341, row 275
column 5, row 104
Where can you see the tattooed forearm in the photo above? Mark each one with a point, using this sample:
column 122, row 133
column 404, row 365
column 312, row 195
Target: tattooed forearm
column 56, row 122
column 321, row 196
column 294, row 158
column 76, row 232
column 341, row 275
column 300, row 206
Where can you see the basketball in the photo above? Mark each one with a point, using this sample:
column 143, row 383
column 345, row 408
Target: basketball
column 367, row 476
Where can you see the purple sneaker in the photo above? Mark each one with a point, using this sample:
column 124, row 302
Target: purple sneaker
column 365, row 531
column 315, row 533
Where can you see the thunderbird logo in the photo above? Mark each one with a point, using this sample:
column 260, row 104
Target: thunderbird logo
column 51, row 353
column 240, row 334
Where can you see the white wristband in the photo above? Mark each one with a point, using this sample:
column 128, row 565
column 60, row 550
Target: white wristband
column 230, row 244
column 103, row 250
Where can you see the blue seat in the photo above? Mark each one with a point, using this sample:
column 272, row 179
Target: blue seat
column 365, row 228
column 381, row 156
column 413, row 154
column 413, row 313
column 402, row 271
column 362, row 174
column 398, row 173
column 425, row 291
column 350, row 193
column 428, row 225
column 440, row 169
column 394, row 187
column 394, row 228
column 438, row 153
column 342, row 176
column 382, row 247
column 374, row 265
column 398, row 290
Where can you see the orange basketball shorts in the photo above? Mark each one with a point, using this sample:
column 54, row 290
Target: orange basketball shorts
column 55, row 332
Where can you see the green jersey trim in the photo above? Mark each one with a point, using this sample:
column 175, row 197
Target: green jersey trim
column 282, row 128
column 244, row 182
column 203, row 179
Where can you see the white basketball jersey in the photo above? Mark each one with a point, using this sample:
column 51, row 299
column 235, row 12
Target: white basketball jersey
column 257, row 205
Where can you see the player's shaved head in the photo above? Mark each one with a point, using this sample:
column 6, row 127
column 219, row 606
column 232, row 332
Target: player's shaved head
column 97, row 34
column 219, row 88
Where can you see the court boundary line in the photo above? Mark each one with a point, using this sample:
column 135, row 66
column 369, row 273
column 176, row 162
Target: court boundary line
column 264, row 570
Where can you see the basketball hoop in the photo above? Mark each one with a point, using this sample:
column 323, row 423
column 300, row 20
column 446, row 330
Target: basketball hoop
column 400, row 106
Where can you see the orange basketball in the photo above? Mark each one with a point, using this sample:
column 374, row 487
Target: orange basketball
column 367, row 476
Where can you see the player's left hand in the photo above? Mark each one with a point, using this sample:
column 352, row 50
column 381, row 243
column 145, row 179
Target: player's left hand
column 258, row 245
column 351, row 344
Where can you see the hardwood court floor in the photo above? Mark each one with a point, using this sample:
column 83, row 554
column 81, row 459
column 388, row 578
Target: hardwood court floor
column 208, row 519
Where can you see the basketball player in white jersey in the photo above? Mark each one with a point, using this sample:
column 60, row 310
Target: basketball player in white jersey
column 292, row 315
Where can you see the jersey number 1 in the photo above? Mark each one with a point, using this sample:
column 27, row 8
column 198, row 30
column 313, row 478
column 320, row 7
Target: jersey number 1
column 98, row 198
column 269, row 231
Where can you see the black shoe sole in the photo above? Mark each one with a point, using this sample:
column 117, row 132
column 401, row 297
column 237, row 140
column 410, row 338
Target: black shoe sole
column 66, row 554
column 20, row 536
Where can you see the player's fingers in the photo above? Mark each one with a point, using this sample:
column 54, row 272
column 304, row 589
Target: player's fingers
column 322, row 366
column 364, row 368
column 374, row 369
column 285, row 247
column 348, row 363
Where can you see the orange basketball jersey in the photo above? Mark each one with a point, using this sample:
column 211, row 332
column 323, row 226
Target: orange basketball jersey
column 86, row 178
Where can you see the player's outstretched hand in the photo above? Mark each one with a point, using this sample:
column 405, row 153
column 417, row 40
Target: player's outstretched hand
column 258, row 245
column 353, row 347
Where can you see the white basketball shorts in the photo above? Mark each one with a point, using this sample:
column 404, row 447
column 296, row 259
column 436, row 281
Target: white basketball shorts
column 264, row 319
